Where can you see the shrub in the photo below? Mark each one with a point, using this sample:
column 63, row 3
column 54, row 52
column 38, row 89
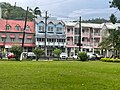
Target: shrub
column 38, row 52
column 16, row 50
column 57, row 52
column 83, row 56
column 110, row 60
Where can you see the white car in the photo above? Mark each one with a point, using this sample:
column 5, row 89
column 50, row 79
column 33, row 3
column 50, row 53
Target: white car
column 31, row 55
column 75, row 57
column 91, row 56
column 63, row 56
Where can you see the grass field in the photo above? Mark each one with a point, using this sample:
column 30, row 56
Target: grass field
column 59, row 75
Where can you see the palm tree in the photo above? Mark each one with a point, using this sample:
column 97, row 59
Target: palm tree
column 112, row 41
column 36, row 11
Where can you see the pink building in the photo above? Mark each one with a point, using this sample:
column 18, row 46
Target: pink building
column 90, row 37
column 11, row 33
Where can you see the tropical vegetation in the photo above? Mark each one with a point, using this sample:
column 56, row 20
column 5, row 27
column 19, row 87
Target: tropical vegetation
column 57, row 52
column 16, row 50
column 38, row 52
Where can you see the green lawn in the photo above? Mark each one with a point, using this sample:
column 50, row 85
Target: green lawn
column 59, row 75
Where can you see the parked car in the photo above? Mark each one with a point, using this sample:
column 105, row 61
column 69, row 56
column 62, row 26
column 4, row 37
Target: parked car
column 98, row 57
column 75, row 57
column 91, row 56
column 10, row 55
column 31, row 55
column 63, row 56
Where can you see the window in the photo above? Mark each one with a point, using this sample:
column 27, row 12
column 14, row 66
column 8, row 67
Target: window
column 17, row 27
column 76, row 39
column 59, row 29
column 40, row 39
column 41, row 28
column 68, row 39
column 50, row 29
column 49, row 40
column 20, row 39
column 83, row 39
column 8, row 27
column 68, row 30
column 27, row 28
column 12, row 39
column 77, row 31
column 83, row 30
column 29, row 39
column 3, row 39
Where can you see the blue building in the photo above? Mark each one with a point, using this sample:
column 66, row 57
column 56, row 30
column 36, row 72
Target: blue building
column 55, row 34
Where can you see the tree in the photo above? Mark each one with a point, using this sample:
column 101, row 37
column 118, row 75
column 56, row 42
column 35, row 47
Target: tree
column 36, row 11
column 14, row 12
column 38, row 52
column 16, row 50
column 76, row 51
column 57, row 52
column 113, row 19
column 115, row 4
column 83, row 56
column 112, row 41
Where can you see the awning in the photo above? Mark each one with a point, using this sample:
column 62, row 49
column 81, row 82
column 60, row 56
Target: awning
column 29, row 36
column 3, row 36
column 12, row 36
column 20, row 36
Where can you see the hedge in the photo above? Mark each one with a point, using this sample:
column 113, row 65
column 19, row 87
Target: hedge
column 110, row 60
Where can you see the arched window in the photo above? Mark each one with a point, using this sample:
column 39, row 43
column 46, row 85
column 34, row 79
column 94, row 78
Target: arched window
column 50, row 26
column 27, row 28
column 17, row 27
column 8, row 27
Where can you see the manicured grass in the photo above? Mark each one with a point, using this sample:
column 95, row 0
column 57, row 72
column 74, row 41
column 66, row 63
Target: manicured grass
column 59, row 75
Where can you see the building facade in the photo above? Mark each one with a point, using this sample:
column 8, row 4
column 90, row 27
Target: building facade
column 90, row 37
column 55, row 34
column 11, row 33
column 105, row 32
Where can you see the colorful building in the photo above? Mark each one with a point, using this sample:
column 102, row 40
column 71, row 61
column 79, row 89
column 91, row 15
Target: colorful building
column 90, row 37
column 11, row 33
column 55, row 34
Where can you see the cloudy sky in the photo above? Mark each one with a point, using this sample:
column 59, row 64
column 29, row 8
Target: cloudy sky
column 72, row 9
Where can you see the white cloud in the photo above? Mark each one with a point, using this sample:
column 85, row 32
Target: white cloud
column 70, row 8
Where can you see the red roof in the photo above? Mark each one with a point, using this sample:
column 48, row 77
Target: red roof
column 13, row 23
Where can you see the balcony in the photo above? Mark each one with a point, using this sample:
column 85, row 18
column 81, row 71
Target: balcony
column 69, row 42
column 97, row 35
column 70, row 34
column 85, row 34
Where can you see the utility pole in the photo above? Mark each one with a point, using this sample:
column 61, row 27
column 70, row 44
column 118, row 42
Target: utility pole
column 24, row 28
column 80, row 34
column 46, row 17
column 25, row 24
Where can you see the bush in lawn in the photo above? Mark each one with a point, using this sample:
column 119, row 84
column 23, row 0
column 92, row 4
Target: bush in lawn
column 16, row 50
column 105, row 59
column 57, row 52
column 83, row 56
column 38, row 52
column 110, row 60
